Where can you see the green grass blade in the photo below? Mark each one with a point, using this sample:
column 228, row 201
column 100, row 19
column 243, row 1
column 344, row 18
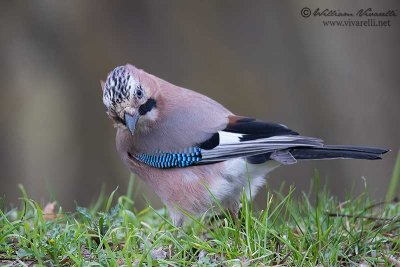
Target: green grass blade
column 394, row 186
column 110, row 200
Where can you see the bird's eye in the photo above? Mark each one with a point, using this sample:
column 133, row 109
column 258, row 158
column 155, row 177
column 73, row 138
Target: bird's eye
column 139, row 92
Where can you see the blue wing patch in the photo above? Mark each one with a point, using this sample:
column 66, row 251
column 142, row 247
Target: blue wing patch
column 165, row 160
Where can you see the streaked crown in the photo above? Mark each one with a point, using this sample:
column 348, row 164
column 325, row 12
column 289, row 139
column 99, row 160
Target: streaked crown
column 118, row 87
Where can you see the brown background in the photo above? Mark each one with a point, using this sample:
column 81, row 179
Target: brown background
column 258, row 58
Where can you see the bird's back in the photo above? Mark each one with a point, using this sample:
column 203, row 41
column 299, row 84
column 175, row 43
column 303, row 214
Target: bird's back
column 186, row 118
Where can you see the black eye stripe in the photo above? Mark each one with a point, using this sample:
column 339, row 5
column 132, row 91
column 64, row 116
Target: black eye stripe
column 146, row 107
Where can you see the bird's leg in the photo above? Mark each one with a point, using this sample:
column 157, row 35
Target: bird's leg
column 233, row 210
column 178, row 222
column 176, row 216
column 234, row 216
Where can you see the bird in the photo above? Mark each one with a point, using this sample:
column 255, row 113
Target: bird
column 194, row 152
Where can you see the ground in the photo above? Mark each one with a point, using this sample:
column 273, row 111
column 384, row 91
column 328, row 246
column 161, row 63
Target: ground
column 314, row 229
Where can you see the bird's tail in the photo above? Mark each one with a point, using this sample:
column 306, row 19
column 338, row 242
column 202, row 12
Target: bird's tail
column 337, row 152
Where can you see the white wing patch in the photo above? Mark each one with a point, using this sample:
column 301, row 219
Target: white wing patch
column 226, row 138
column 231, row 146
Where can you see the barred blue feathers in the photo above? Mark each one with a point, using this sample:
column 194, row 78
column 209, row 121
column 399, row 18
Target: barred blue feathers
column 163, row 160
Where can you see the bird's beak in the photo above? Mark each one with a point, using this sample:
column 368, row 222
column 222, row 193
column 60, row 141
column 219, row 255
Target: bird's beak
column 130, row 121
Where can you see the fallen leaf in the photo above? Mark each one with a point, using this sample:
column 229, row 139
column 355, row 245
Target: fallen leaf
column 393, row 260
column 158, row 254
column 86, row 253
column 50, row 207
column 49, row 212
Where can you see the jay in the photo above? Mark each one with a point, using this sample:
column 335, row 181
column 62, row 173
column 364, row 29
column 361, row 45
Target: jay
column 192, row 151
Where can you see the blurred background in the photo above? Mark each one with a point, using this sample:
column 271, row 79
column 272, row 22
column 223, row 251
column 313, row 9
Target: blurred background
column 258, row 58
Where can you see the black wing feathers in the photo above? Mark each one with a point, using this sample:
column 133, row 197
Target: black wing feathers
column 210, row 143
column 252, row 128
column 332, row 152
column 259, row 141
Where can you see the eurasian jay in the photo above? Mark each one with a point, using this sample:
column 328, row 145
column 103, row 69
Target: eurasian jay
column 192, row 151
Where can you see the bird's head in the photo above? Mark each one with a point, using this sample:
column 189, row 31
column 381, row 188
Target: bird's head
column 131, row 103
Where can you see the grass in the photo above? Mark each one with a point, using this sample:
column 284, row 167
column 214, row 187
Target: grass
column 310, row 230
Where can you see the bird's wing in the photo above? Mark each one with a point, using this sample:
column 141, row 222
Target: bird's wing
column 245, row 137
column 194, row 129
column 239, row 137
